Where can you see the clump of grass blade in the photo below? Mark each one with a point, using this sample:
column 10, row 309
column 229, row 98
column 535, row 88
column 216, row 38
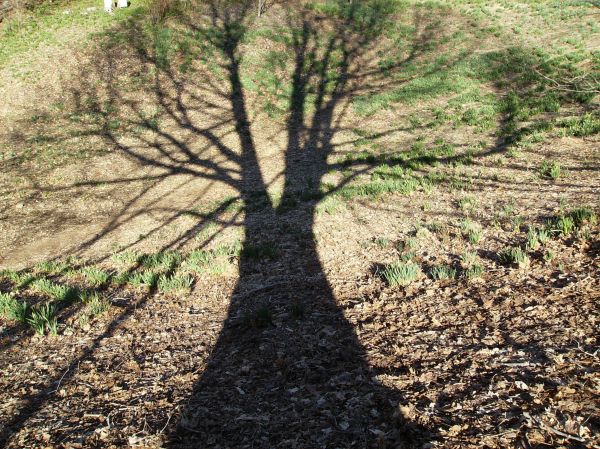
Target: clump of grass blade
column 401, row 273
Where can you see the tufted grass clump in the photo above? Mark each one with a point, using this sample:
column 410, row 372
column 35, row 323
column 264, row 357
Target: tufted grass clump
column 12, row 309
column 198, row 261
column 55, row 291
column 566, row 224
column 177, row 283
column 442, row 272
column 475, row 271
column 19, row 279
column 533, row 240
column 401, row 273
column 43, row 318
column 582, row 216
column 94, row 304
column 161, row 262
column 550, row 170
column 514, row 256
column 143, row 279
column 468, row 257
column 95, row 276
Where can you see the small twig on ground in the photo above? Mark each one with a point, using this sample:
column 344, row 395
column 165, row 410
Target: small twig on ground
column 61, row 379
column 549, row 428
column 563, row 87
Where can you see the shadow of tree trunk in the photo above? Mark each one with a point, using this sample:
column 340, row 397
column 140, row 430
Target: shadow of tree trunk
column 288, row 369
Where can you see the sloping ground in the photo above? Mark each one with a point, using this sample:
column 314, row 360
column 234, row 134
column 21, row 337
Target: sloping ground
column 509, row 357
column 327, row 228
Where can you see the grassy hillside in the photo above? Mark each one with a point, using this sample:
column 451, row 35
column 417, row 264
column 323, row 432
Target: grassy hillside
column 366, row 224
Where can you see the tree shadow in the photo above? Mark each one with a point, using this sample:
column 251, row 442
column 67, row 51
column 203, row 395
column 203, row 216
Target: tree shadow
column 288, row 368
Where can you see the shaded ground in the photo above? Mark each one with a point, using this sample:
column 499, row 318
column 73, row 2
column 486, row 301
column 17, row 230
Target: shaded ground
column 270, row 174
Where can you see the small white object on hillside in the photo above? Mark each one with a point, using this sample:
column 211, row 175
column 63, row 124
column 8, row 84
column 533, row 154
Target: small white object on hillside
column 108, row 4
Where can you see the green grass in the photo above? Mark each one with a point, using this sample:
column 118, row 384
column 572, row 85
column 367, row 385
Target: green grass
column 13, row 309
column 331, row 205
column 51, row 267
column 514, row 256
column 551, row 170
column 401, row 273
column 19, row 279
column 582, row 216
column 442, row 272
column 176, row 283
column 43, row 318
column 533, row 239
column 95, row 304
column 469, row 257
column 165, row 261
column 125, row 258
column 143, row 279
column 382, row 242
column 376, row 189
column 95, row 276
column 48, row 24
column 586, row 125
column 475, row 271
column 55, row 291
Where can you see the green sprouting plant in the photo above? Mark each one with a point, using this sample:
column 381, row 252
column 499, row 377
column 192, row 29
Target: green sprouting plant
column 175, row 283
column 435, row 227
column 147, row 279
column 381, row 242
column 50, row 267
column 94, row 303
column 585, row 125
column 12, row 309
column 469, row 257
column 442, row 272
column 474, row 236
column 198, row 260
column 583, row 215
column 121, row 278
column 565, row 225
column 584, row 234
column 514, row 256
column 517, row 221
column 411, row 243
column 466, row 225
column 407, row 256
column 401, row 273
column 549, row 255
column 467, row 203
column 161, row 262
column 55, row 291
column 474, row 271
column 95, row 276
column 533, row 239
column 550, row 170
column 125, row 258
column 543, row 236
column 43, row 318
column 19, row 279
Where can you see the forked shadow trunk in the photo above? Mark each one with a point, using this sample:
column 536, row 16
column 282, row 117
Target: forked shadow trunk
column 288, row 369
